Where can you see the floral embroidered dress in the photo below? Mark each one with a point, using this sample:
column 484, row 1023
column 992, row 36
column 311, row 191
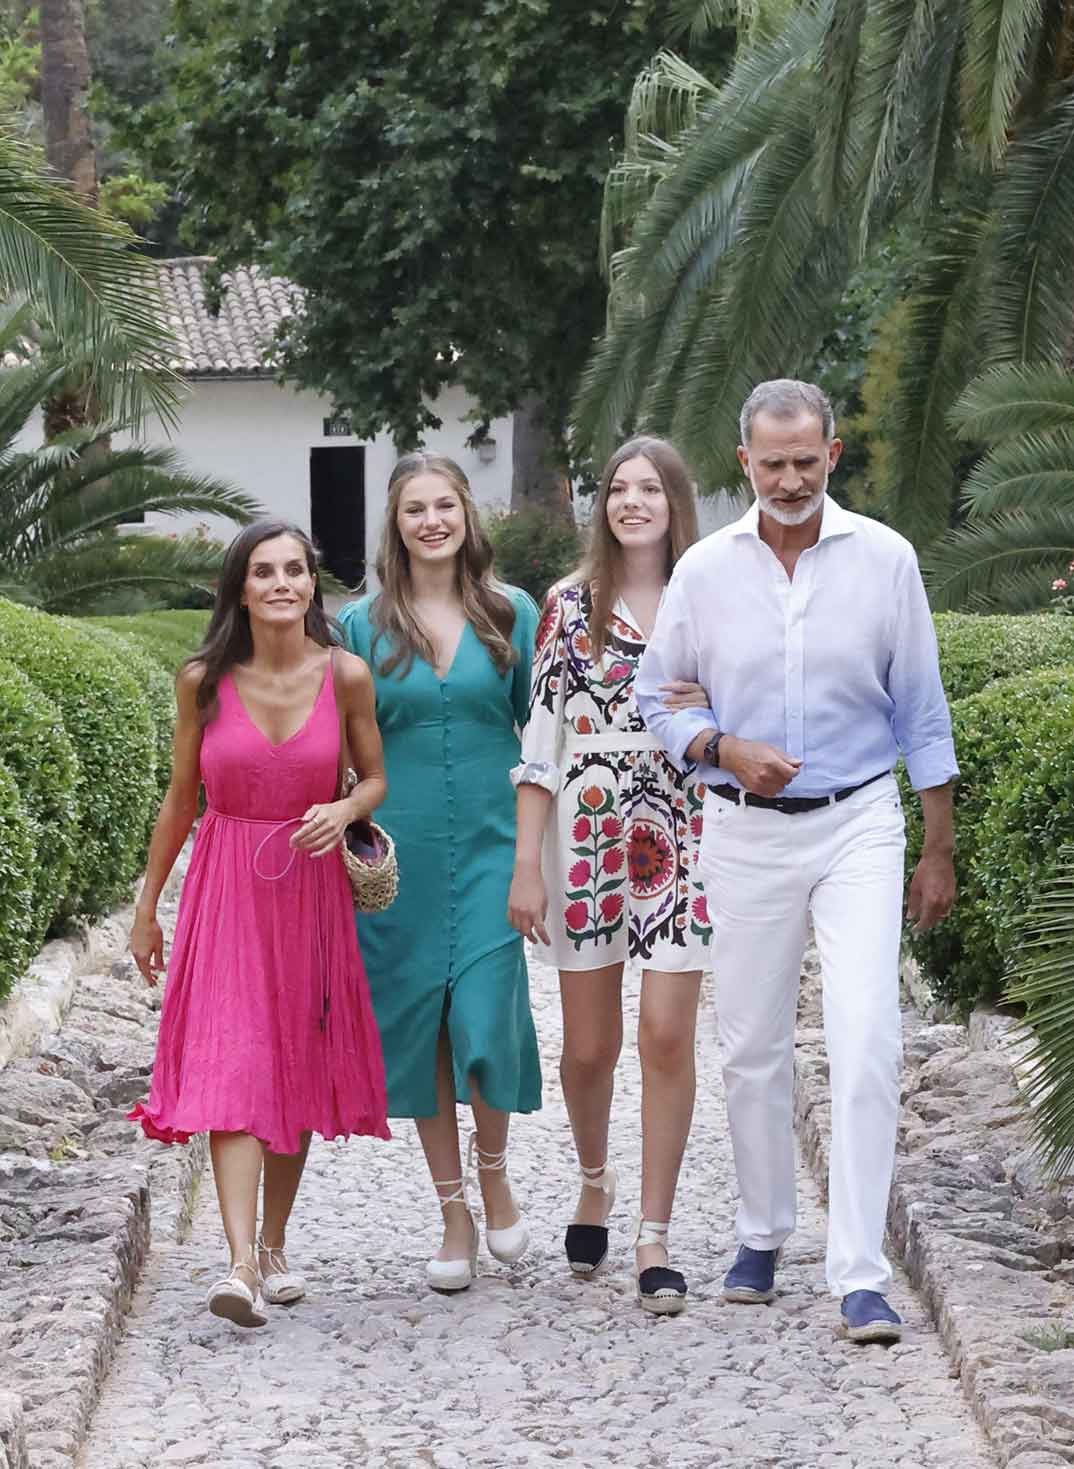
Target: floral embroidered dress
column 620, row 849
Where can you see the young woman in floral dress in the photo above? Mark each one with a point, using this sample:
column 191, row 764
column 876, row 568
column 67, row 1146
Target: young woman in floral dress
column 605, row 867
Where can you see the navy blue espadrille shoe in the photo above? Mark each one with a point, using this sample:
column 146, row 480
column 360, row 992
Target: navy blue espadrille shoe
column 751, row 1280
column 868, row 1317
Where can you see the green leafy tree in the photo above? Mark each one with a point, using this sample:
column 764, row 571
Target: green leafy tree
column 741, row 209
column 430, row 175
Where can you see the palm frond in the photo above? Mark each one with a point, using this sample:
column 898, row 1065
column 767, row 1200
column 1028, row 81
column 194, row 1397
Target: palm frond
column 1004, row 563
column 1026, row 473
column 935, row 135
column 888, row 101
column 69, row 580
column 86, row 279
column 838, row 64
column 1014, row 399
column 1000, row 37
column 1043, row 981
column 938, row 356
column 681, row 235
column 1031, row 311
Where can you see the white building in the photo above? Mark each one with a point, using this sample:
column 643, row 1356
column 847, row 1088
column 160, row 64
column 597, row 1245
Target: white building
column 281, row 444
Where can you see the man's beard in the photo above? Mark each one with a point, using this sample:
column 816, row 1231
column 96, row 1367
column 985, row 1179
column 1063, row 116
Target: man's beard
column 792, row 514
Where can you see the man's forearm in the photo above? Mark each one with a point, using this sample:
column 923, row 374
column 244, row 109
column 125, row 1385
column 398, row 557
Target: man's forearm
column 938, row 810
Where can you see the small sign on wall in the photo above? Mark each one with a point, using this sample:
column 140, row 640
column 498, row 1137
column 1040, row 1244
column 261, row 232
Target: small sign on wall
column 337, row 427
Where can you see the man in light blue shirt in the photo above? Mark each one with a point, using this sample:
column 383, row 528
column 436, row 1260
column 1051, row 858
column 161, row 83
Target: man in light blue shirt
column 809, row 629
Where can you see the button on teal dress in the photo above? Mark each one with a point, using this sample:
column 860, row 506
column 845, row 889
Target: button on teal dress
column 449, row 745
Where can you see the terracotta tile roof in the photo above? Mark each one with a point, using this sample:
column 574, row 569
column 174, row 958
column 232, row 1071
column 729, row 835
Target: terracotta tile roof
column 237, row 341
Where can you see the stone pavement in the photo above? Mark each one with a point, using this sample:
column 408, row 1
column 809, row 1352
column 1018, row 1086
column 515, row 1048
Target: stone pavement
column 530, row 1366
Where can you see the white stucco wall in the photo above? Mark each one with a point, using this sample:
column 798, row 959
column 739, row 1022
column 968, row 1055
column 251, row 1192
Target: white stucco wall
column 258, row 436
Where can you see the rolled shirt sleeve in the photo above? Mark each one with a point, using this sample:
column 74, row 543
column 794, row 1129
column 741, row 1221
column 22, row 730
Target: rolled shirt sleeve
column 671, row 655
column 922, row 719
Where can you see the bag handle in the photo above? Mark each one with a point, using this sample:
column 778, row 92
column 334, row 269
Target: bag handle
column 344, row 763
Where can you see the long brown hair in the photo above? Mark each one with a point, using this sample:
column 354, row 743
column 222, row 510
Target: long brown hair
column 487, row 608
column 603, row 560
column 228, row 639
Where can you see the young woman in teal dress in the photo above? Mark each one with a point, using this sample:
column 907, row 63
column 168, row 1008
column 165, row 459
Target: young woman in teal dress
column 450, row 649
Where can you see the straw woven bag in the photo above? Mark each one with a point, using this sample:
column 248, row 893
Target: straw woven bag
column 368, row 850
column 371, row 863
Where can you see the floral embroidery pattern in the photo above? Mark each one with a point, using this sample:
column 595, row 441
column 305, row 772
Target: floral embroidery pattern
column 594, row 908
column 628, row 821
column 651, row 858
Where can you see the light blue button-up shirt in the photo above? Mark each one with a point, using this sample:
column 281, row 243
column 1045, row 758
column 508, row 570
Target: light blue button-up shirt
column 838, row 666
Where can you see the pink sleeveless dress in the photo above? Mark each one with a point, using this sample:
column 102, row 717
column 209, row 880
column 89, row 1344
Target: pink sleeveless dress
column 267, row 1025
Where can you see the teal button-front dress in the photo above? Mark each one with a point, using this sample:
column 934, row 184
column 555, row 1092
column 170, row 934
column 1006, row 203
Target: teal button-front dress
column 449, row 745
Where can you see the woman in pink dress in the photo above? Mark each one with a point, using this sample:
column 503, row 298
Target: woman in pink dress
column 267, row 1032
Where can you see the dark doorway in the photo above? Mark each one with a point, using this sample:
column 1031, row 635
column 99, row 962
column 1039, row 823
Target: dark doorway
column 337, row 510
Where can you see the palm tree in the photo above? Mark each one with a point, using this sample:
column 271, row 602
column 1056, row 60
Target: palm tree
column 739, row 211
column 1043, row 981
column 60, row 507
column 1018, row 502
column 85, row 283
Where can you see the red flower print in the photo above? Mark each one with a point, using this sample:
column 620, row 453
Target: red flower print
column 579, row 874
column 701, row 910
column 593, row 797
column 695, row 826
column 611, row 907
column 613, row 859
column 583, row 724
column 701, row 790
column 620, row 671
column 576, row 916
column 582, row 828
column 549, row 623
column 651, row 858
column 611, row 826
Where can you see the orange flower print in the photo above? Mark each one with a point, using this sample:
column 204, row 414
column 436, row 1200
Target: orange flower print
column 652, row 860
column 593, row 797
column 583, row 724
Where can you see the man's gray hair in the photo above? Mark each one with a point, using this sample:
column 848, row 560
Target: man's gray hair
column 785, row 397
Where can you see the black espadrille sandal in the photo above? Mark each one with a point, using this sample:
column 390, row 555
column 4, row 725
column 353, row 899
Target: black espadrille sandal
column 587, row 1244
column 660, row 1289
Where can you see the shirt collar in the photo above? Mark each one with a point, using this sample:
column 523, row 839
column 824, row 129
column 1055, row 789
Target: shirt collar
column 835, row 521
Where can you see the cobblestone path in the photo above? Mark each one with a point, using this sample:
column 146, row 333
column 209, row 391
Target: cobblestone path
column 529, row 1367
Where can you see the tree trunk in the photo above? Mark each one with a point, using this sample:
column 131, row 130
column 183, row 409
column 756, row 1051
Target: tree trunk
column 65, row 84
column 537, row 477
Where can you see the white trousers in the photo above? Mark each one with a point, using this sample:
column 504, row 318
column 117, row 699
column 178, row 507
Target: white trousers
column 765, row 872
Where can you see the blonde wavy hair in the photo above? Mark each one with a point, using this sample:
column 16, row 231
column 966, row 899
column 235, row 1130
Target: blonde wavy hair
column 601, row 567
column 487, row 607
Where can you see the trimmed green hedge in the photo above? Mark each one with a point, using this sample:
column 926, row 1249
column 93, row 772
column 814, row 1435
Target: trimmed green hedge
column 1014, row 807
column 975, row 651
column 16, row 884
column 107, row 720
column 37, row 753
column 158, row 688
column 170, row 637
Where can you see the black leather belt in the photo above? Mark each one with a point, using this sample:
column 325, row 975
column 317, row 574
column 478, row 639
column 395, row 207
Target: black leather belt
column 793, row 805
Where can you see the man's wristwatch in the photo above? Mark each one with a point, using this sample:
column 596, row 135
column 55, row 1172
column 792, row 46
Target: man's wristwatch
column 711, row 753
